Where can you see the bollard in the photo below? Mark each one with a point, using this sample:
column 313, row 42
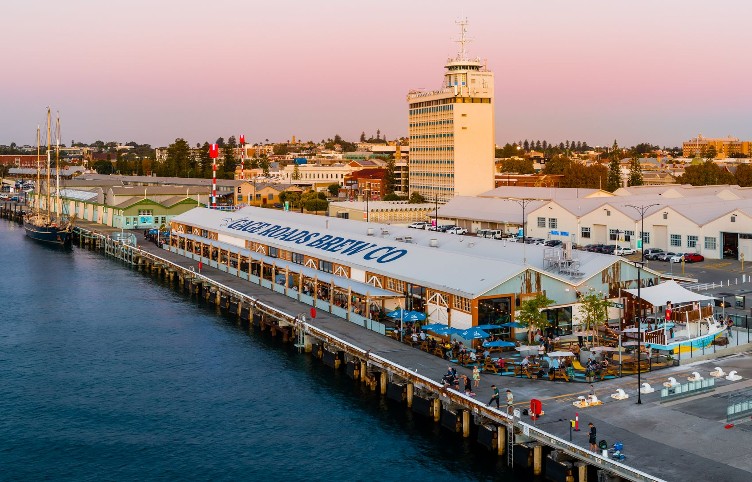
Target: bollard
column 576, row 421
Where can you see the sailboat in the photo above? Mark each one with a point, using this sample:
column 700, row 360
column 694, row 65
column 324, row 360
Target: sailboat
column 47, row 223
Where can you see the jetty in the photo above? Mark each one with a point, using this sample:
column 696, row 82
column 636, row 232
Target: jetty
column 663, row 439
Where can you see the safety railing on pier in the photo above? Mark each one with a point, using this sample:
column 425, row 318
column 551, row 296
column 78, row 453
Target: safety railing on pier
column 423, row 382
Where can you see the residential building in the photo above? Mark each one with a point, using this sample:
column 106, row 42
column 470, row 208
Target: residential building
column 723, row 146
column 452, row 131
column 387, row 212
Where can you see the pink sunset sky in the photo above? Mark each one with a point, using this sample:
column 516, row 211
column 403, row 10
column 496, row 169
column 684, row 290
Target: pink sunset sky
column 658, row 71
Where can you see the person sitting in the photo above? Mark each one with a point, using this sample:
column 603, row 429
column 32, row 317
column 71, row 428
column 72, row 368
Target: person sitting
column 525, row 362
column 414, row 337
column 422, row 336
column 473, row 357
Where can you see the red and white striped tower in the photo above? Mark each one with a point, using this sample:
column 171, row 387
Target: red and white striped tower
column 213, row 153
column 242, row 156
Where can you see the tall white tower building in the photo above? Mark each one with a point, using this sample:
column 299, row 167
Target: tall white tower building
column 452, row 131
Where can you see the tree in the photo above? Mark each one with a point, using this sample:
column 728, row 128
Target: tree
column 588, row 177
column 103, row 167
column 593, row 311
column 178, row 156
column 416, row 198
column 558, row 164
column 312, row 201
column 710, row 152
column 390, row 178
column 333, row 189
column 743, row 175
column 635, row 173
column 532, row 315
column 526, row 145
column 705, row 173
column 363, row 136
column 520, row 166
column 264, row 165
column 393, row 197
column 614, row 170
column 205, row 160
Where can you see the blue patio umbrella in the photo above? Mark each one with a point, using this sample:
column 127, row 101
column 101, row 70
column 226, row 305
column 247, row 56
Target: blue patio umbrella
column 473, row 333
column 433, row 326
column 489, row 327
column 499, row 343
column 406, row 315
column 446, row 330
column 512, row 324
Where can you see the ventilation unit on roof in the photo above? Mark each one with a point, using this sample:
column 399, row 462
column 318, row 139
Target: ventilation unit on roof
column 370, row 232
column 434, row 243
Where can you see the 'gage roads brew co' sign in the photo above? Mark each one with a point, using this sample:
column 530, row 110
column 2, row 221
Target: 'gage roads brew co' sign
column 312, row 239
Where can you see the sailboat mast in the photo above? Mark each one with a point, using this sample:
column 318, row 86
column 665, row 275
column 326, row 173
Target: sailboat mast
column 58, row 206
column 38, row 187
column 49, row 148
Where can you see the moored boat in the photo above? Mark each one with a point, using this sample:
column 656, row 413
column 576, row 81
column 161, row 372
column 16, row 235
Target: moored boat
column 46, row 224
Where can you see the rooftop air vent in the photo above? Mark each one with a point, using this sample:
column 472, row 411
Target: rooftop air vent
column 434, row 243
column 370, row 232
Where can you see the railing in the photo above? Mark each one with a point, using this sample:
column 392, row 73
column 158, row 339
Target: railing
column 421, row 381
column 687, row 389
column 738, row 410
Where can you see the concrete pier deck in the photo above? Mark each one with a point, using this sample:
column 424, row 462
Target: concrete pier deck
column 683, row 440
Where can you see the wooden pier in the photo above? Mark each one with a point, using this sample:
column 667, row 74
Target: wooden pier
column 13, row 211
column 524, row 446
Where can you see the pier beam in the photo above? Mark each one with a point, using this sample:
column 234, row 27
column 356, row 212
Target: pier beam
column 466, row 423
column 501, row 439
column 537, row 459
column 382, row 383
column 436, row 410
column 410, row 391
column 580, row 471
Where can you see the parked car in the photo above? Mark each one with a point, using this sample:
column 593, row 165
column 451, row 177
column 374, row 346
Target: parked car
column 419, row 225
column 621, row 251
column 693, row 258
column 609, row 249
column 664, row 256
column 677, row 258
column 652, row 253
column 457, row 230
column 553, row 242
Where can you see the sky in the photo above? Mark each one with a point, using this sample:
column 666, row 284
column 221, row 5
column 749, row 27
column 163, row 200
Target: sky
column 151, row 71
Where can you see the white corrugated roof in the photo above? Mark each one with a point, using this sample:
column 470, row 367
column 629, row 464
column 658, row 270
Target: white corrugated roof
column 493, row 210
column 462, row 265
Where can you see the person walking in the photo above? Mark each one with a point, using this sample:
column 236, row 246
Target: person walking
column 592, row 438
column 476, row 376
column 494, row 396
column 468, row 386
column 729, row 325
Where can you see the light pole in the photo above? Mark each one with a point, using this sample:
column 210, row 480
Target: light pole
column 367, row 193
column 640, row 209
column 523, row 202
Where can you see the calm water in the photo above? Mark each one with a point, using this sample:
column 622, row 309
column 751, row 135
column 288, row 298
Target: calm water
column 107, row 375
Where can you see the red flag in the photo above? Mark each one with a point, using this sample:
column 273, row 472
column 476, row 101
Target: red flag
column 213, row 151
column 242, row 139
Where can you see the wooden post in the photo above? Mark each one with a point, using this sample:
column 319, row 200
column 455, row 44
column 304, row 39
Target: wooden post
column 580, row 471
column 383, row 382
column 501, row 439
column 466, row 422
column 537, row 459
column 436, row 409
column 410, row 391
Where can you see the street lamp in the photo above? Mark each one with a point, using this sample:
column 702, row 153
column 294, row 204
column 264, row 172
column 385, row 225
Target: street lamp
column 640, row 209
column 523, row 202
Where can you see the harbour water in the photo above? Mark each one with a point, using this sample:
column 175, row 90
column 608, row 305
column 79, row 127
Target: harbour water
column 107, row 375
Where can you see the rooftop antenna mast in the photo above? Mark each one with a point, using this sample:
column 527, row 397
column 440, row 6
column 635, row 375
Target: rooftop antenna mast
column 463, row 40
